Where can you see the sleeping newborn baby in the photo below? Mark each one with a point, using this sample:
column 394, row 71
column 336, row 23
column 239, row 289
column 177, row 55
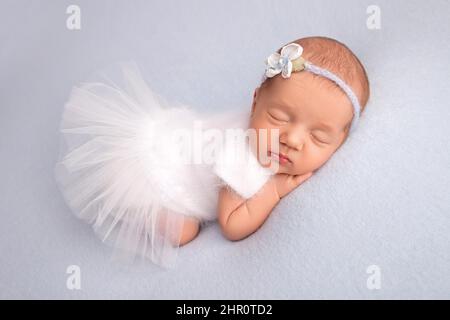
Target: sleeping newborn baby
column 121, row 169
column 313, row 115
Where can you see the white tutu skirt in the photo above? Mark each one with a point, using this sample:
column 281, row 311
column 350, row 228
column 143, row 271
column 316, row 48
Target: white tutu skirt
column 113, row 169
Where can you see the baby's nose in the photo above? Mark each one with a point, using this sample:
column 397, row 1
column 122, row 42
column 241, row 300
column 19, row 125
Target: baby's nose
column 295, row 138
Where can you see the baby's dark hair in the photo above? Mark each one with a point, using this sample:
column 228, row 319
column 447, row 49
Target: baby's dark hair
column 338, row 58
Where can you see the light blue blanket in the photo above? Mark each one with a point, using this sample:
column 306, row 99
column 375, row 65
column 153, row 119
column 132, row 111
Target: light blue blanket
column 373, row 223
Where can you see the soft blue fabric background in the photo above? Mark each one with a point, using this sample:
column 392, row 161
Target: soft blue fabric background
column 383, row 199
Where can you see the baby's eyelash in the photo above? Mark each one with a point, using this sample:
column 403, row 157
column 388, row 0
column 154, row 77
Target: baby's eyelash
column 318, row 140
column 275, row 118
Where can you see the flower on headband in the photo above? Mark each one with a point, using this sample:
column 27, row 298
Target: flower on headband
column 289, row 60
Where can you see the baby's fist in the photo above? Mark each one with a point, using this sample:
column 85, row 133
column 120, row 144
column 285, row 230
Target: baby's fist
column 285, row 183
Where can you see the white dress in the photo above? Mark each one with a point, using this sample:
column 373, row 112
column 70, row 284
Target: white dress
column 120, row 167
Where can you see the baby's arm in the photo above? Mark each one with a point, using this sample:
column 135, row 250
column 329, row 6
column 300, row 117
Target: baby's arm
column 238, row 217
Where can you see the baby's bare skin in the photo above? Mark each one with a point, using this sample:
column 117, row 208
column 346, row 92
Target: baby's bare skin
column 298, row 107
column 313, row 117
column 190, row 230
column 239, row 218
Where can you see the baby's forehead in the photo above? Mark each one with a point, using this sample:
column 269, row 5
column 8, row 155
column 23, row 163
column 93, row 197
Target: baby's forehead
column 304, row 82
column 311, row 96
column 305, row 87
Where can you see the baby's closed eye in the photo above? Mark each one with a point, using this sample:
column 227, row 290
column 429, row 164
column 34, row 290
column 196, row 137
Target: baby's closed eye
column 278, row 116
column 320, row 137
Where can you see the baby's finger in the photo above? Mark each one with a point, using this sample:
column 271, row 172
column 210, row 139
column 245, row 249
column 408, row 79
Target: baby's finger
column 299, row 179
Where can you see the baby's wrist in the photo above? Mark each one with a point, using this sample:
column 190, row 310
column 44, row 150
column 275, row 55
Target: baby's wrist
column 275, row 189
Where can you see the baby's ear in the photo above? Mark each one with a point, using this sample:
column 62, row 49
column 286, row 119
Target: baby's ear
column 346, row 132
column 347, row 127
column 253, row 108
column 255, row 93
column 254, row 100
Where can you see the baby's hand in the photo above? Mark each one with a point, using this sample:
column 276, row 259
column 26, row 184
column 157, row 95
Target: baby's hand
column 285, row 183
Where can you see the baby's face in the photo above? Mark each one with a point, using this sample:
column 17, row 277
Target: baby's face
column 312, row 116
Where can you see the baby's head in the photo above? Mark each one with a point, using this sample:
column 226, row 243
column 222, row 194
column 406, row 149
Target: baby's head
column 313, row 114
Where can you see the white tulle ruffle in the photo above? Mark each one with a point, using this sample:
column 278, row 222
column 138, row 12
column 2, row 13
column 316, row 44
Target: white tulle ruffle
column 114, row 169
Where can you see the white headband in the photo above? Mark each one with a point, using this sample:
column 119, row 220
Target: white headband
column 290, row 60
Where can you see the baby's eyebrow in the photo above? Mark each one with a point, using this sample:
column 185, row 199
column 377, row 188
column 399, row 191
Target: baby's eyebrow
column 285, row 107
column 320, row 125
column 282, row 104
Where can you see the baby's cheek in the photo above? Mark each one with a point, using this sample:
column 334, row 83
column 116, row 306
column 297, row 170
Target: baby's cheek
column 314, row 159
column 267, row 136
